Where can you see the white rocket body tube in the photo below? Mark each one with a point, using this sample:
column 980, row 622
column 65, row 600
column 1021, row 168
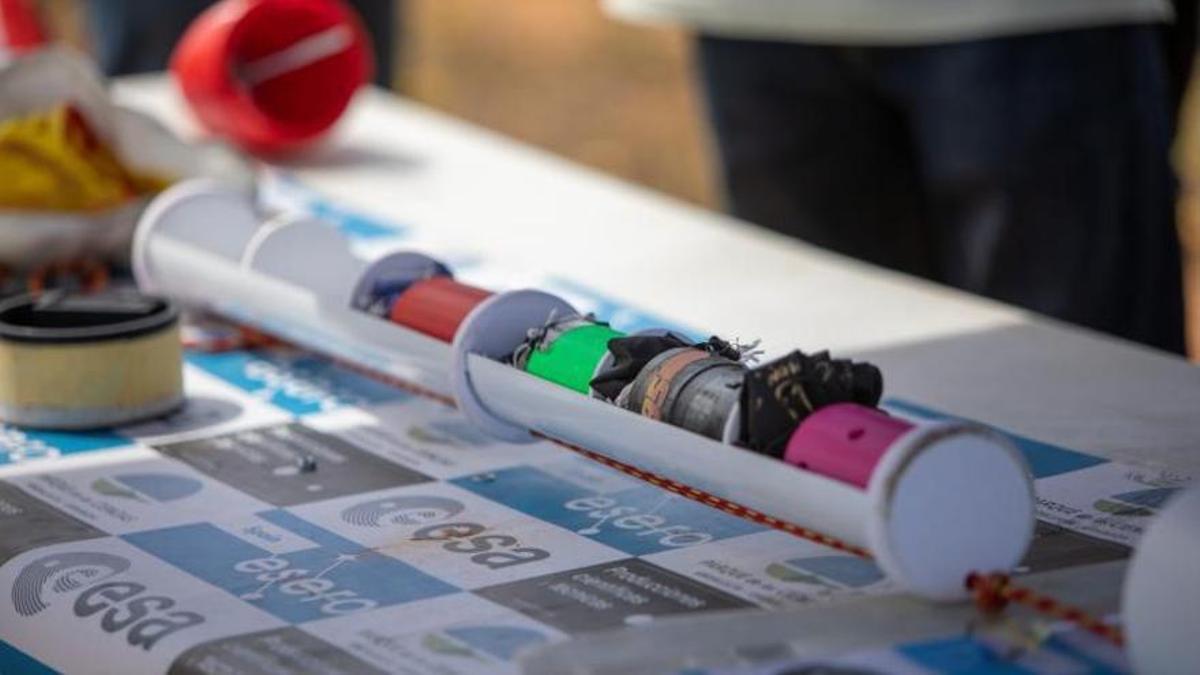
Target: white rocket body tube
column 205, row 247
column 944, row 500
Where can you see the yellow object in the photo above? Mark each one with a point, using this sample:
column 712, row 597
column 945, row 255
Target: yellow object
column 54, row 161
column 78, row 362
column 112, row 373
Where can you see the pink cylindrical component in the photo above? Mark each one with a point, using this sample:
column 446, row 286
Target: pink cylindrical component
column 844, row 441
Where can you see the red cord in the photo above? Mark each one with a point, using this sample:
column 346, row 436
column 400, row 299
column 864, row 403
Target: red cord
column 91, row 273
column 993, row 592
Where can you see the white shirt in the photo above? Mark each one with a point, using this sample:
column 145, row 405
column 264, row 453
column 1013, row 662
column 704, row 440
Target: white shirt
column 882, row 22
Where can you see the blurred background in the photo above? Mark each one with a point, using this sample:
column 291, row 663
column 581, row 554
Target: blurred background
column 620, row 98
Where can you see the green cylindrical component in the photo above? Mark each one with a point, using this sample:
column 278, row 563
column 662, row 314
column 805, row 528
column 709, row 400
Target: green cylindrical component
column 571, row 358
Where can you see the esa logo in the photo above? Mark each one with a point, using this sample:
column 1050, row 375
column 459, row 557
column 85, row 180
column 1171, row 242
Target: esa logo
column 487, row 549
column 119, row 606
column 407, row 510
column 493, row 551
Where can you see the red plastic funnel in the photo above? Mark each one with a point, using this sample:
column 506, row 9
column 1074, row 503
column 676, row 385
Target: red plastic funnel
column 272, row 75
column 20, row 29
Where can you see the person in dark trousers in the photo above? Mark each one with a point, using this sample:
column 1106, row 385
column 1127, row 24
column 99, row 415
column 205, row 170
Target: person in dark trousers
column 137, row 36
column 1014, row 149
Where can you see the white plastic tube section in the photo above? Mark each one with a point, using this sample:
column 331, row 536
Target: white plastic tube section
column 945, row 500
column 207, row 247
column 1161, row 598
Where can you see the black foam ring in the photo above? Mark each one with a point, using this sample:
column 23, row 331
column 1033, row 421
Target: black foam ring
column 635, row 394
column 778, row 395
column 630, row 357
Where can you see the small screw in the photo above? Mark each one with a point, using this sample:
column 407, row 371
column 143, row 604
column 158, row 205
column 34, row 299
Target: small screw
column 307, row 463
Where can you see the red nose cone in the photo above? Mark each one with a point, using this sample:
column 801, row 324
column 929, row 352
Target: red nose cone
column 272, row 75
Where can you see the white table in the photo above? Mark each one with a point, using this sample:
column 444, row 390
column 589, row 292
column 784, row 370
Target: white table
column 944, row 348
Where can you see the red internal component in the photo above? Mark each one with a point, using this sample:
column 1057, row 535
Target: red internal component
column 436, row 306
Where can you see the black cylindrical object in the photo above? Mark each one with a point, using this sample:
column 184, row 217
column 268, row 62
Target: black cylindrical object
column 707, row 398
column 688, row 388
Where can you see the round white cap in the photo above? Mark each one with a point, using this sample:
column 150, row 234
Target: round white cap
column 494, row 329
column 1160, row 603
column 948, row 499
column 200, row 212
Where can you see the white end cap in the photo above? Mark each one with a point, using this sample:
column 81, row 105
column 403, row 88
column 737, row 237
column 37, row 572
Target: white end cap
column 399, row 267
column 203, row 213
column 306, row 252
column 494, row 329
column 1160, row 602
column 948, row 499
